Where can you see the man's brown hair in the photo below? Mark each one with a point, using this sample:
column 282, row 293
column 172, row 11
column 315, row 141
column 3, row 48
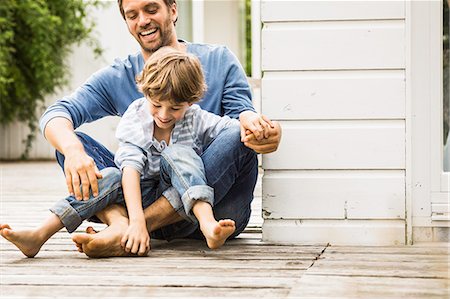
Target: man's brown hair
column 172, row 75
column 168, row 3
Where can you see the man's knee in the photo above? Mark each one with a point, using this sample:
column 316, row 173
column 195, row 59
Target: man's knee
column 111, row 177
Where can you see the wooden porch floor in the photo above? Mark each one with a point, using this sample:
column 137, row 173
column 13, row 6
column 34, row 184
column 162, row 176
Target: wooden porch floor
column 246, row 267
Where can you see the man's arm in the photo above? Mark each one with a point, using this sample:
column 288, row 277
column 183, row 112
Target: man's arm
column 79, row 168
column 237, row 100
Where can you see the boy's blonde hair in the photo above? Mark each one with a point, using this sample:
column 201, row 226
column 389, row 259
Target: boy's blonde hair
column 172, row 75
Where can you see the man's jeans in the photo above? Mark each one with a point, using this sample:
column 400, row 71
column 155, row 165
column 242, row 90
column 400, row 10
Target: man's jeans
column 231, row 170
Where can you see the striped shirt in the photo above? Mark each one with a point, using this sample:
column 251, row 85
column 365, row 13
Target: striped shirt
column 140, row 150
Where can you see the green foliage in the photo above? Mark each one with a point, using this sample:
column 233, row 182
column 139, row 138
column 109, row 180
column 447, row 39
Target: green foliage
column 248, row 37
column 35, row 38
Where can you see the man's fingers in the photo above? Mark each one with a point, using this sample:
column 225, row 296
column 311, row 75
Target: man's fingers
column 261, row 148
column 85, row 185
column 98, row 174
column 69, row 183
column 76, row 186
column 93, row 182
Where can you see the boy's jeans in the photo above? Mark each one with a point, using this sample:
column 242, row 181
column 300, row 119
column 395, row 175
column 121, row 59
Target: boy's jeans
column 230, row 167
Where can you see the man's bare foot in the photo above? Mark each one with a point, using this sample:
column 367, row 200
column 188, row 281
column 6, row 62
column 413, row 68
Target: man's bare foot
column 105, row 243
column 28, row 241
column 216, row 233
column 89, row 230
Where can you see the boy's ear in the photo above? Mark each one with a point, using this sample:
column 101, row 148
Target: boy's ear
column 190, row 104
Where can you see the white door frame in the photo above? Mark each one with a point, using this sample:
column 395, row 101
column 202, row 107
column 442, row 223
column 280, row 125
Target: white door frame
column 427, row 184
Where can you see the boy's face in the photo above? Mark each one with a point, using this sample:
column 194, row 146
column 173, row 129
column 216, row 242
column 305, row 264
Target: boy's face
column 151, row 23
column 166, row 113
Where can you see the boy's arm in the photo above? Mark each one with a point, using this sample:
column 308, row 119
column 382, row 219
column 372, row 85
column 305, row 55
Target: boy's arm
column 136, row 238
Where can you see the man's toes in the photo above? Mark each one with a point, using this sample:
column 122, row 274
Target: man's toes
column 81, row 238
column 3, row 226
column 91, row 230
column 6, row 232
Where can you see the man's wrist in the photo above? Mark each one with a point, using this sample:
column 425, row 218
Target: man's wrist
column 72, row 147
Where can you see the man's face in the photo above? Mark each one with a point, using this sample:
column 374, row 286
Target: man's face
column 151, row 23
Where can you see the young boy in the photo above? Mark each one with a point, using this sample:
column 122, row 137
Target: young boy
column 161, row 139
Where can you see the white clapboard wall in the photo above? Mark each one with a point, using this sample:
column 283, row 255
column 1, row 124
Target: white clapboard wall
column 334, row 76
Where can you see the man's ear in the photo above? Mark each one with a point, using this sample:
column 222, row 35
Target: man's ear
column 174, row 12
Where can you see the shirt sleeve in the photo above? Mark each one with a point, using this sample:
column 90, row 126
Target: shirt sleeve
column 130, row 134
column 237, row 96
column 89, row 102
column 207, row 125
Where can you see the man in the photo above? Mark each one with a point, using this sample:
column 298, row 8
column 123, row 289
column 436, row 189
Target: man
column 111, row 90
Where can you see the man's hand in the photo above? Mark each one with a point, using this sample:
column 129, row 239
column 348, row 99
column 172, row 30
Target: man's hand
column 136, row 239
column 265, row 145
column 257, row 124
column 80, row 170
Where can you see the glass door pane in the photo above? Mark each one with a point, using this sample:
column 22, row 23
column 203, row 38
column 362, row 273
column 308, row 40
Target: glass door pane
column 446, row 87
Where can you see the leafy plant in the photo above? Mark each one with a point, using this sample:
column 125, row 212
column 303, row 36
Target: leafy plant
column 35, row 39
column 248, row 37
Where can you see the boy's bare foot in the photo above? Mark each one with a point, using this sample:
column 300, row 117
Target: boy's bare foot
column 105, row 243
column 28, row 241
column 216, row 233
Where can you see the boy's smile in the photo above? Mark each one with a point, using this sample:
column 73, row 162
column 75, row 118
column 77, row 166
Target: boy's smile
column 166, row 113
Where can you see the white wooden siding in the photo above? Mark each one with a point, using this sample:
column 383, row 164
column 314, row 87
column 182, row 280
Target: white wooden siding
column 333, row 45
column 340, row 145
column 334, row 95
column 337, row 232
column 334, row 195
column 334, row 76
column 319, row 10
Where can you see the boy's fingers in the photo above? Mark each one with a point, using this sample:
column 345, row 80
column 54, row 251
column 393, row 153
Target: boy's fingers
column 267, row 120
column 243, row 130
column 123, row 241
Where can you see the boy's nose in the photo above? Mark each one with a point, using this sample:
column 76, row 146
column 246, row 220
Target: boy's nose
column 164, row 114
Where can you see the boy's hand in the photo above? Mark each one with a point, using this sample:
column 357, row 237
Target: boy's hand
column 136, row 238
column 257, row 124
column 266, row 145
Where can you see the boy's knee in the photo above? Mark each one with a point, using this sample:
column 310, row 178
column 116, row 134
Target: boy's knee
column 175, row 151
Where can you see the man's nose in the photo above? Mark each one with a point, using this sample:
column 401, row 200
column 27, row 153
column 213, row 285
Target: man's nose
column 144, row 20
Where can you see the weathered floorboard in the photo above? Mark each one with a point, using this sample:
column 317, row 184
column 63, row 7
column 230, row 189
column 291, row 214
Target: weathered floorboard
column 243, row 268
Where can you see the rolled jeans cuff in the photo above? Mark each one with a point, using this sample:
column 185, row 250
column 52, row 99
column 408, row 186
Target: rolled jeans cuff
column 200, row 192
column 171, row 194
column 67, row 214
